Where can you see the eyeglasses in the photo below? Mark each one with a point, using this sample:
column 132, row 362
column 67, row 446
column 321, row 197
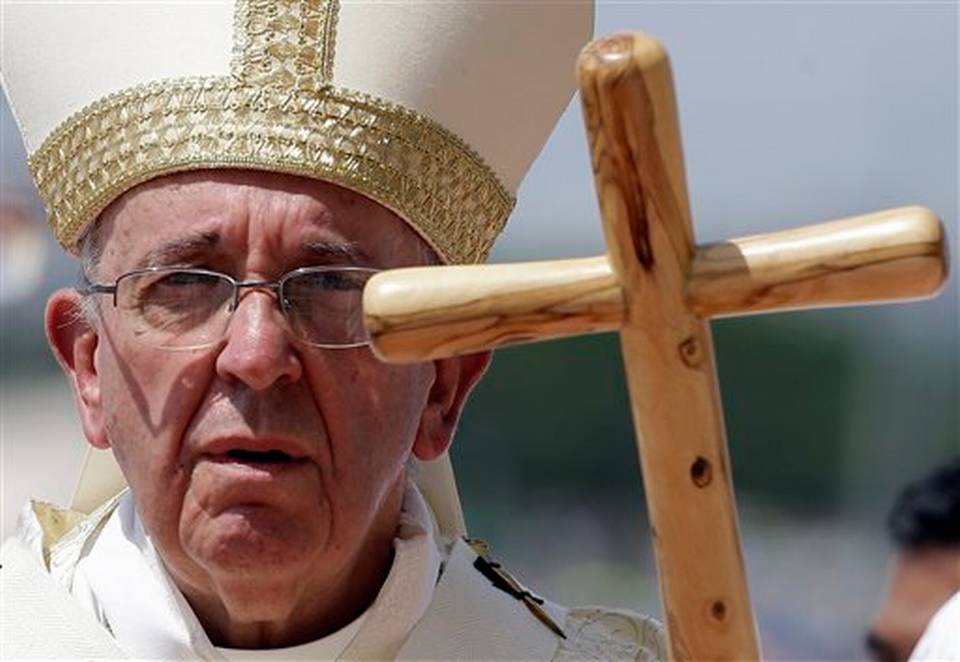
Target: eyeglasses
column 180, row 308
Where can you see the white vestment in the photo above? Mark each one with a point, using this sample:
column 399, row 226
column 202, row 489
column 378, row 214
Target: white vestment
column 100, row 590
column 941, row 640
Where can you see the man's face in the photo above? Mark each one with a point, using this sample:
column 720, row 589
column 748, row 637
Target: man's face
column 920, row 582
column 234, row 529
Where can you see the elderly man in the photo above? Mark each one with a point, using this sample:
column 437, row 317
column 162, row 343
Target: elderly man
column 230, row 177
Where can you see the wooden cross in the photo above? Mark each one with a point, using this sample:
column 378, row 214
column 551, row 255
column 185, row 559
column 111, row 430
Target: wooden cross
column 659, row 289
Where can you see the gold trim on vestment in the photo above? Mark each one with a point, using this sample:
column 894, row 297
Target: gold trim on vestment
column 54, row 522
column 275, row 113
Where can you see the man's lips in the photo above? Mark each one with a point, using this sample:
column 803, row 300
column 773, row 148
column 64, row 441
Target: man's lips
column 256, row 449
column 255, row 455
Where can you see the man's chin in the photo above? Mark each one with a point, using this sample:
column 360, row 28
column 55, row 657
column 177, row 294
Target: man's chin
column 254, row 538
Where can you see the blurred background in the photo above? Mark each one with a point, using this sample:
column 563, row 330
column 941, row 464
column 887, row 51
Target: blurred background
column 791, row 113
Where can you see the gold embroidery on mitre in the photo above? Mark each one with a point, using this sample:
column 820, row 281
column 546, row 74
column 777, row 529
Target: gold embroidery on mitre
column 287, row 43
column 273, row 114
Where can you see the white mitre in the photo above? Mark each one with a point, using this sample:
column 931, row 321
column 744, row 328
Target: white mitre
column 433, row 109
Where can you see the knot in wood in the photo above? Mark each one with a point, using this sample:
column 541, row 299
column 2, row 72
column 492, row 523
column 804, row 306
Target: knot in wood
column 701, row 472
column 718, row 610
column 691, row 352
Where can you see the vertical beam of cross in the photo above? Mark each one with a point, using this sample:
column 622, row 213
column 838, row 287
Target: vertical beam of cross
column 631, row 119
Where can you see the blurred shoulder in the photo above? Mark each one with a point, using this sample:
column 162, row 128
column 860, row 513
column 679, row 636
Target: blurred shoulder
column 479, row 611
column 604, row 633
column 941, row 640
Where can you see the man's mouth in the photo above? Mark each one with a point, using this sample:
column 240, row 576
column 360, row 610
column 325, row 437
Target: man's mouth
column 259, row 457
column 247, row 450
column 256, row 456
column 248, row 464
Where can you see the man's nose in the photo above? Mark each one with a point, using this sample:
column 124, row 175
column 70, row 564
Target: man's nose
column 258, row 351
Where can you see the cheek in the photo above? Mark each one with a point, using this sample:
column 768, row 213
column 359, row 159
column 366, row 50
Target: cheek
column 403, row 398
column 151, row 394
column 149, row 397
column 371, row 409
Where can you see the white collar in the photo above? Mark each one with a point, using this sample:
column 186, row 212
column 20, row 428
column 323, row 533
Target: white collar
column 123, row 582
column 330, row 647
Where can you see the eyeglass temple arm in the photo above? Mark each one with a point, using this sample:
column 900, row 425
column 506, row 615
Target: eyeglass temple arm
column 99, row 288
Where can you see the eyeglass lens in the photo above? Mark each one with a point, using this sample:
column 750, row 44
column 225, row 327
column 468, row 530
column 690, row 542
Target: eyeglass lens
column 188, row 309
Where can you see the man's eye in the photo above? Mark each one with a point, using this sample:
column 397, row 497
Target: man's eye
column 330, row 281
column 178, row 289
column 187, row 279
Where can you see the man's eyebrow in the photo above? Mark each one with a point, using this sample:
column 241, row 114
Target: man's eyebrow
column 180, row 249
column 336, row 251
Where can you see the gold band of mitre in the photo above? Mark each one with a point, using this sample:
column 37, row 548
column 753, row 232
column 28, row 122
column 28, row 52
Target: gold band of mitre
column 395, row 156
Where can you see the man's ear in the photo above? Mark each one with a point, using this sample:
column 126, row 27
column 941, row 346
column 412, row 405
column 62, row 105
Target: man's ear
column 454, row 380
column 73, row 340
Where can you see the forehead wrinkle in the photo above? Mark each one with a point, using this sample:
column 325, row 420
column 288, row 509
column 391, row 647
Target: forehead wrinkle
column 276, row 217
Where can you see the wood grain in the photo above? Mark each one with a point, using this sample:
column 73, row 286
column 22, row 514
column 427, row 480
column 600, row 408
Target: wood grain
column 630, row 112
column 885, row 256
column 433, row 312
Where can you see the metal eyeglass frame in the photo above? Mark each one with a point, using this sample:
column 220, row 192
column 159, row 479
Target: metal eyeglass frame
column 276, row 286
